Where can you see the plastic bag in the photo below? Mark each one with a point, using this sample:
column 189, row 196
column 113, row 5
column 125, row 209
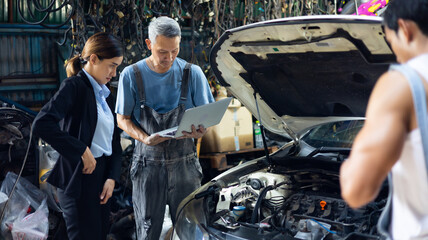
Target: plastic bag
column 26, row 199
column 34, row 226
column 47, row 160
column 3, row 199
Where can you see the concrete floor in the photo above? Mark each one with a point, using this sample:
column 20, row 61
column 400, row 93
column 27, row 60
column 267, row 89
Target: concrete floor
column 167, row 224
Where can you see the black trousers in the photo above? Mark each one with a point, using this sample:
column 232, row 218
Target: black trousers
column 85, row 217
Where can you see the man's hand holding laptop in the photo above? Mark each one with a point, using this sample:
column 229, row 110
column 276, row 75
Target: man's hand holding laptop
column 152, row 140
column 201, row 116
column 196, row 133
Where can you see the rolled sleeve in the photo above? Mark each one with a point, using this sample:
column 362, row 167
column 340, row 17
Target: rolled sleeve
column 126, row 94
column 200, row 89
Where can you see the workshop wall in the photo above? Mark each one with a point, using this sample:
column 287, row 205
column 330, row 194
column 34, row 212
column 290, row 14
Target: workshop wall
column 29, row 66
column 43, row 33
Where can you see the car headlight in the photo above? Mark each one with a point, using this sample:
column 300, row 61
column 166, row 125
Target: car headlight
column 191, row 220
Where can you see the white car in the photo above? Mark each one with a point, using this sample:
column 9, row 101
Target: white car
column 307, row 78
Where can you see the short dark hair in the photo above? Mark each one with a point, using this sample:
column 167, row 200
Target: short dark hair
column 414, row 10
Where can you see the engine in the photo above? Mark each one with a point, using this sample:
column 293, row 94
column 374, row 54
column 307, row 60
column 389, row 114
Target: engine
column 292, row 204
column 15, row 128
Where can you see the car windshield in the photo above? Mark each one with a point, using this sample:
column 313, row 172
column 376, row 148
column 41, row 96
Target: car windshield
column 337, row 134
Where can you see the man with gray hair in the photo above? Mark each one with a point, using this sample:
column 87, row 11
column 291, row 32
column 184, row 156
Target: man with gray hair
column 152, row 96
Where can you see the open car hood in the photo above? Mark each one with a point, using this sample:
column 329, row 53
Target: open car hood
column 304, row 71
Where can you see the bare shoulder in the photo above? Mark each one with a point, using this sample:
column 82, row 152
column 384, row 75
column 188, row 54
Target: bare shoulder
column 392, row 96
column 392, row 82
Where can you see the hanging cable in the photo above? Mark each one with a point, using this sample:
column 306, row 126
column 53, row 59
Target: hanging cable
column 19, row 175
column 65, row 37
column 356, row 7
column 47, row 11
column 31, row 14
column 39, row 7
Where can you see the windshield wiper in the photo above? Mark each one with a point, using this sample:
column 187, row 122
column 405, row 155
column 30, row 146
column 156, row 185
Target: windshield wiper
column 341, row 151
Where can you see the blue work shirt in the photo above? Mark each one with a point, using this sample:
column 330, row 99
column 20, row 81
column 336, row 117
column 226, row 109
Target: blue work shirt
column 103, row 136
column 162, row 89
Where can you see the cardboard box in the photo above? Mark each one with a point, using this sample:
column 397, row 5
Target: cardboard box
column 233, row 133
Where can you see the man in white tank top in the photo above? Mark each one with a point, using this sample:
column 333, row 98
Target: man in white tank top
column 390, row 139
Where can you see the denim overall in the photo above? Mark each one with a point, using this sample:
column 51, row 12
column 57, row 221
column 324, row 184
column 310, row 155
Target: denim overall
column 165, row 173
column 419, row 101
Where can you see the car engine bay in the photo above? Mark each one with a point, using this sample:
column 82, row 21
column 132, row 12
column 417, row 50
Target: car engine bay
column 15, row 128
column 301, row 201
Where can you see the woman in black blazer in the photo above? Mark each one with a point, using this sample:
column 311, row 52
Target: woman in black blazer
column 79, row 123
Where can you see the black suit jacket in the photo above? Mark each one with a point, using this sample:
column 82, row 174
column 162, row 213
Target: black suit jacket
column 67, row 122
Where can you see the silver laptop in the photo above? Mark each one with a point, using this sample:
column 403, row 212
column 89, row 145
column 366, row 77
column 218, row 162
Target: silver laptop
column 207, row 115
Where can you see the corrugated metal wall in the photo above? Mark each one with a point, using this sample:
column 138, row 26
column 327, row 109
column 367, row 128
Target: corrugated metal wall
column 54, row 17
column 3, row 10
column 29, row 72
column 27, row 54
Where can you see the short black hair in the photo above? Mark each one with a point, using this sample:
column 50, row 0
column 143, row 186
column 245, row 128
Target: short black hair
column 414, row 10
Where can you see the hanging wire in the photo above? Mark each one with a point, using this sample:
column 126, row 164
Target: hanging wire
column 35, row 4
column 129, row 19
column 356, row 7
column 19, row 175
column 39, row 7
column 65, row 37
